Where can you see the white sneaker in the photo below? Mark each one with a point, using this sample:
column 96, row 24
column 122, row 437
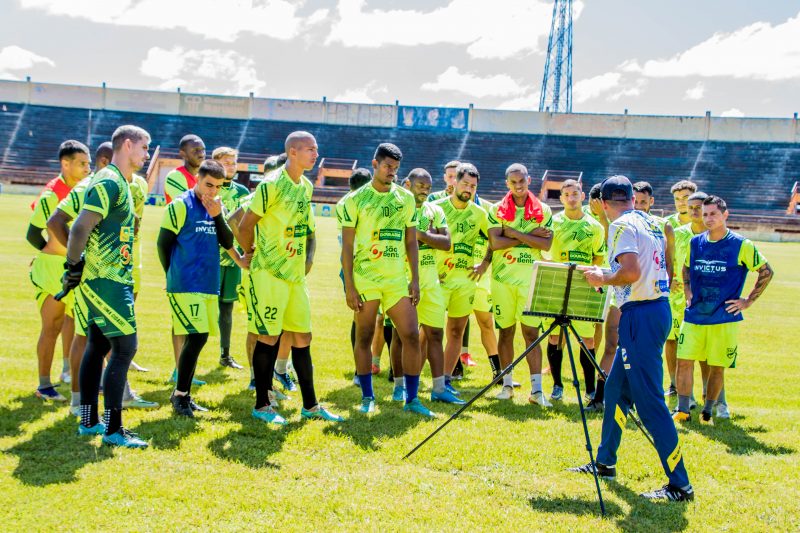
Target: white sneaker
column 276, row 396
column 539, row 399
column 65, row 377
column 75, row 410
column 356, row 381
column 506, row 394
column 722, row 410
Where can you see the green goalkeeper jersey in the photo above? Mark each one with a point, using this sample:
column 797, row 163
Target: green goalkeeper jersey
column 109, row 252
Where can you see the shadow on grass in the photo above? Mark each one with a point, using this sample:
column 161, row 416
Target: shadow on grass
column 366, row 431
column 740, row 440
column 644, row 515
column 55, row 454
column 255, row 441
column 31, row 409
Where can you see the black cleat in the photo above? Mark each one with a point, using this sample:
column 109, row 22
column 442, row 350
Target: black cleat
column 196, row 407
column 670, row 493
column 603, row 471
column 229, row 362
column 180, row 405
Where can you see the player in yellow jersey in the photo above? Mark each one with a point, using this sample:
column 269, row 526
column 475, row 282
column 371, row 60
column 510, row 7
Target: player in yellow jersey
column 577, row 238
column 281, row 209
column 519, row 229
column 48, row 267
column 680, row 195
column 466, row 220
column 377, row 220
column 433, row 236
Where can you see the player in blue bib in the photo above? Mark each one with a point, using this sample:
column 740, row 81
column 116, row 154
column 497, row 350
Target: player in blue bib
column 192, row 231
column 639, row 276
column 714, row 274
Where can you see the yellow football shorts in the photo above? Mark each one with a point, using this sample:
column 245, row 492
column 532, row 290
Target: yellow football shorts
column 194, row 312
column 509, row 303
column 431, row 307
column 459, row 300
column 717, row 344
column 46, row 273
column 278, row 305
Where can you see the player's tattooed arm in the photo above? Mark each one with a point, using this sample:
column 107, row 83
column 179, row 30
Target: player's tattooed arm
column 687, row 287
column 311, row 249
column 765, row 274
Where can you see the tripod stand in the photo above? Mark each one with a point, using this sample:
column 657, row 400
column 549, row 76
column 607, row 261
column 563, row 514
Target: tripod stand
column 563, row 321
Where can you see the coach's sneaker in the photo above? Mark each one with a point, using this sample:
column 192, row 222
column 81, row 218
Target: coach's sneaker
column 230, row 362
column 603, row 471
column 269, row 415
column 286, row 381
column 319, row 412
column 181, row 406
column 137, row 402
column 50, row 394
column 706, row 419
column 125, row 439
column 594, row 407
column 415, row 406
column 722, row 410
column 65, row 377
column 399, row 394
column 538, row 398
column 97, row 429
column 505, row 394
column 557, row 394
column 446, row 397
column 681, row 416
column 670, row 493
column 367, row 405
column 671, row 391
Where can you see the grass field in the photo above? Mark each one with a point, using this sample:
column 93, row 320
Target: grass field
column 500, row 467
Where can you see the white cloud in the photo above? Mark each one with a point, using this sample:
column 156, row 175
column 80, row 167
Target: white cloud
column 222, row 21
column 317, row 16
column 758, row 51
column 225, row 71
column 732, row 112
column 590, row 88
column 529, row 102
column 627, row 91
column 361, row 95
column 695, row 93
column 453, row 80
column 505, row 29
column 14, row 58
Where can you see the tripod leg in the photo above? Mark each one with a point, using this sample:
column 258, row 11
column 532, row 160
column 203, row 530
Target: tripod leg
column 483, row 391
column 577, row 386
column 631, row 412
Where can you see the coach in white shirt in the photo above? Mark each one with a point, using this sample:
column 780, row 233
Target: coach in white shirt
column 636, row 253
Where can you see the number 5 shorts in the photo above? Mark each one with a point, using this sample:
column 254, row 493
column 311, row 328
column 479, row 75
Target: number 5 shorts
column 278, row 305
column 194, row 312
column 509, row 303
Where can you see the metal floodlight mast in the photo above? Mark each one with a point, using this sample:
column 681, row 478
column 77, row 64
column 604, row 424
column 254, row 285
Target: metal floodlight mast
column 557, row 81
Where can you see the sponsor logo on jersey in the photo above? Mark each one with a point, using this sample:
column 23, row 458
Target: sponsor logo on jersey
column 390, row 235
column 462, row 248
column 126, row 233
column 125, row 254
column 709, row 267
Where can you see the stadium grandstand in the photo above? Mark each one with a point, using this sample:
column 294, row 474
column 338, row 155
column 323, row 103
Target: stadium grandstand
column 752, row 162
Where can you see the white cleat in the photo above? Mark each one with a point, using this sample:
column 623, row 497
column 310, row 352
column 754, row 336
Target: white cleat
column 722, row 410
column 538, row 398
column 506, row 394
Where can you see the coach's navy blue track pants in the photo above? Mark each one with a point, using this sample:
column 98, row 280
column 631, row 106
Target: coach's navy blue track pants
column 636, row 378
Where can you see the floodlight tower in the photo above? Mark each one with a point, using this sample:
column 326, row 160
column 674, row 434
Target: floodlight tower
column 557, row 82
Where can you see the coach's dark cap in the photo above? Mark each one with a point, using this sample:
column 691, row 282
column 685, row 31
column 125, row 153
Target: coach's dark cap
column 616, row 188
